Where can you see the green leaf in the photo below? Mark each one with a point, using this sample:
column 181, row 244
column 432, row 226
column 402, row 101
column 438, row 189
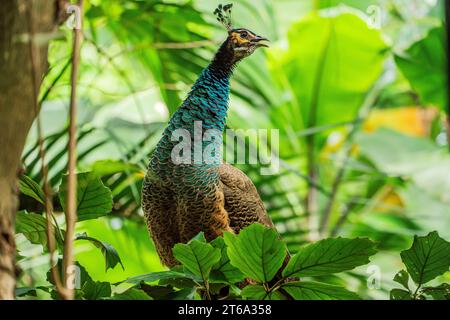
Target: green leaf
column 109, row 253
column 31, row 188
column 31, row 291
column 33, row 226
column 441, row 292
column 200, row 237
column 131, row 294
column 307, row 290
column 424, row 65
column 183, row 294
column 93, row 198
column 400, row 294
column 224, row 268
column 85, row 287
column 168, row 292
column 155, row 276
column 94, row 290
column 257, row 292
column 256, row 251
column 81, row 278
column 329, row 256
column 158, row 292
column 26, row 291
column 402, row 277
column 197, row 257
column 321, row 69
column 107, row 167
column 428, row 258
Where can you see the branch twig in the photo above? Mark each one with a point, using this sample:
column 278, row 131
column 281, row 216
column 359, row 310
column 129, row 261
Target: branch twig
column 34, row 58
column 71, row 206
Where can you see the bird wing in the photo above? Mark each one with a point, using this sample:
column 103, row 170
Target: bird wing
column 242, row 201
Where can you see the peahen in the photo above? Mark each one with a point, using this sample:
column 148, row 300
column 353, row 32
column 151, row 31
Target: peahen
column 180, row 200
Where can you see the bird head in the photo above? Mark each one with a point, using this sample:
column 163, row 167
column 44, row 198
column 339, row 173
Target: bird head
column 240, row 42
column 244, row 42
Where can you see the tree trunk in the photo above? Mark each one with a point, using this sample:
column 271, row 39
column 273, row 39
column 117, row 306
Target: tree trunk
column 18, row 109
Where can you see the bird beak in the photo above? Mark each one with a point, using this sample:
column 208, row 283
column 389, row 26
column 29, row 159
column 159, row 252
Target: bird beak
column 258, row 40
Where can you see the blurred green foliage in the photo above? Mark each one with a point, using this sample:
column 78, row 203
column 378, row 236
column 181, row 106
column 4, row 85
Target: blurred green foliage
column 359, row 109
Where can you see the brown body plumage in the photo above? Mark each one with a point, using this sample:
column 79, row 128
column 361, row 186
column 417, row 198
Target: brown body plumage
column 230, row 205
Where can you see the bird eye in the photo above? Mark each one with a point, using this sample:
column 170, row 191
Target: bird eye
column 244, row 35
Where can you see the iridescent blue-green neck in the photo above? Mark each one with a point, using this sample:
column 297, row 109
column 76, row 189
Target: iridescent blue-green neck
column 208, row 99
column 207, row 102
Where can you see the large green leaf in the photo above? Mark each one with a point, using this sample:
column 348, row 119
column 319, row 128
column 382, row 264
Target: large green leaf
column 428, row 258
column 34, row 227
column 309, row 290
column 257, row 292
column 131, row 294
column 31, row 188
column 400, row 294
column 441, row 292
column 31, row 291
column 224, row 269
column 331, row 63
column 197, row 257
column 402, row 277
column 424, row 65
column 109, row 253
column 330, row 256
column 85, row 287
column 93, row 198
column 95, row 290
column 155, row 276
column 256, row 251
column 108, row 167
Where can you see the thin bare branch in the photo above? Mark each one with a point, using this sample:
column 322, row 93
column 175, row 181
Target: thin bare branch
column 71, row 206
column 34, row 58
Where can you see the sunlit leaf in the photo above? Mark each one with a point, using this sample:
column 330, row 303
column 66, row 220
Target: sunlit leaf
column 109, row 253
column 106, row 167
column 131, row 294
column 31, row 188
column 155, row 276
column 320, row 71
column 93, row 198
column 34, row 227
column 424, row 65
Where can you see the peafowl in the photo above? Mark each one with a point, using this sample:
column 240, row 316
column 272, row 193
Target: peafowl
column 180, row 200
